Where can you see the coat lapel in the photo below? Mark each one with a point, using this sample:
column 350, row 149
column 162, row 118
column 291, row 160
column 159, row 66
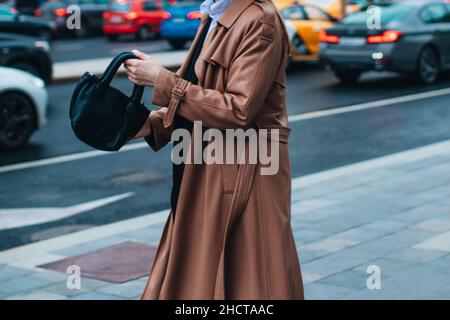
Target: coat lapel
column 233, row 12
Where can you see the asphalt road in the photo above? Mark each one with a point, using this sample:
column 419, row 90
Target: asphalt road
column 99, row 47
column 316, row 144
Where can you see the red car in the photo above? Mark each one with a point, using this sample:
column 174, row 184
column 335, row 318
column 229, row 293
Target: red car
column 137, row 17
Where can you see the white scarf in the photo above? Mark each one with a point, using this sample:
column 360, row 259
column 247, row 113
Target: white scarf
column 215, row 9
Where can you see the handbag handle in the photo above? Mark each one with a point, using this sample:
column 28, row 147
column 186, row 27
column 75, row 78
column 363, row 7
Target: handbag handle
column 111, row 71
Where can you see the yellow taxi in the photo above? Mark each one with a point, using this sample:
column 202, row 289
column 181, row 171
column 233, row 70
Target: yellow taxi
column 333, row 7
column 304, row 22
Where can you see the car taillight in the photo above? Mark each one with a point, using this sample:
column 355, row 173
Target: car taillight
column 328, row 38
column 131, row 15
column 194, row 15
column 386, row 37
column 166, row 15
column 60, row 12
column 37, row 12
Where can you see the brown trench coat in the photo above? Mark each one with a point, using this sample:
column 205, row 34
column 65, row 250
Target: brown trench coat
column 231, row 237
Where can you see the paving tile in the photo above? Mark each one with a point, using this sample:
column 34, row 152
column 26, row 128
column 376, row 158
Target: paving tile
column 91, row 246
column 9, row 272
column 306, row 235
column 386, row 225
column 363, row 253
column 127, row 290
column 22, row 284
column 440, row 243
column 95, row 296
column 86, row 285
column 421, row 213
column 318, row 203
column 308, row 255
column 409, row 286
column 53, row 276
column 416, row 255
column 37, row 295
column 434, row 224
column 392, row 269
column 322, row 291
column 117, row 263
column 361, row 234
column 147, row 235
column 309, row 277
column 440, row 265
column 351, row 194
column 330, row 244
column 349, row 278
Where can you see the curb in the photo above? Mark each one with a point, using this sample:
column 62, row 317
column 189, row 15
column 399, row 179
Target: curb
column 40, row 251
column 73, row 70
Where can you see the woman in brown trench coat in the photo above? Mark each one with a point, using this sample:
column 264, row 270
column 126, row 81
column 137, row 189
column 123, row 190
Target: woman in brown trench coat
column 231, row 236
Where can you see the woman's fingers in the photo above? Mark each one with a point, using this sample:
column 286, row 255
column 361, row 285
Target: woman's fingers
column 140, row 54
column 133, row 80
column 131, row 69
column 131, row 63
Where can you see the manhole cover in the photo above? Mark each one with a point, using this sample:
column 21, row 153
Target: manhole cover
column 118, row 263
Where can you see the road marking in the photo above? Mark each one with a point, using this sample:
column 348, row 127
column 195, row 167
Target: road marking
column 67, row 158
column 23, row 254
column 293, row 118
column 22, row 217
column 370, row 105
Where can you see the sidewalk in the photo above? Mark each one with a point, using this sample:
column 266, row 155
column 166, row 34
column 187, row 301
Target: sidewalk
column 73, row 70
column 391, row 212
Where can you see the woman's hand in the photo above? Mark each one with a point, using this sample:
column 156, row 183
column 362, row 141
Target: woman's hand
column 143, row 71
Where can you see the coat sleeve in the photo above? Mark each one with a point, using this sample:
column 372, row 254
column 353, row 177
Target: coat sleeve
column 250, row 76
column 159, row 136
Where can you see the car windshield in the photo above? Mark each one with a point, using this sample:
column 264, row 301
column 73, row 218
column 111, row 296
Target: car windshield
column 185, row 3
column 120, row 5
column 6, row 11
column 391, row 13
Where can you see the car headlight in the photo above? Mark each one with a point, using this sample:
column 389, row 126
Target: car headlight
column 44, row 45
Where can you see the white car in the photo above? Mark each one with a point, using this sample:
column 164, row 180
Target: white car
column 23, row 104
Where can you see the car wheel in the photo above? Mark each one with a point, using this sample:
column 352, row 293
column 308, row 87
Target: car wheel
column 112, row 37
column 17, row 120
column 428, row 66
column 348, row 77
column 142, row 33
column 27, row 67
column 177, row 44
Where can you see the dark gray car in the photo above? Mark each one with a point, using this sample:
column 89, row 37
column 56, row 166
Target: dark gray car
column 413, row 37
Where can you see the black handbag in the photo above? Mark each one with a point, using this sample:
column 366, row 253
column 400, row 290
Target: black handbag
column 102, row 116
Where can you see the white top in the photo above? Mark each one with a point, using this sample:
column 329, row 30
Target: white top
column 215, row 9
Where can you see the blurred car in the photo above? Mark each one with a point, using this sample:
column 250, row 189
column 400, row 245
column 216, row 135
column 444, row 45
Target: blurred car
column 333, row 7
column 91, row 15
column 13, row 22
column 413, row 38
column 27, row 54
column 181, row 22
column 27, row 6
column 307, row 21
column 23, row 103
column 137, row 17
